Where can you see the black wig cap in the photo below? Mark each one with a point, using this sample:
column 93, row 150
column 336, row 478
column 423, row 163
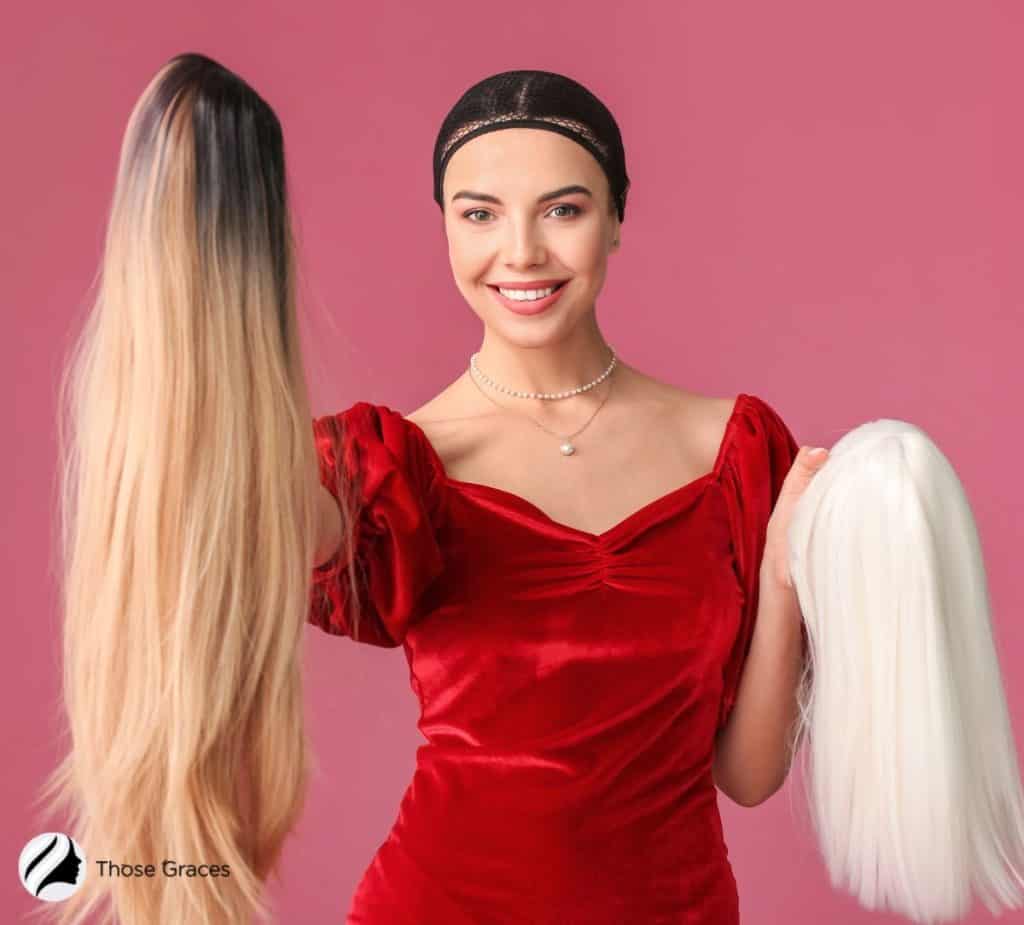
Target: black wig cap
column 535, row 99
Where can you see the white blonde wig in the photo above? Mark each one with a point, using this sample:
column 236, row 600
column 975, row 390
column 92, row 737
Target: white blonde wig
column 914, row 785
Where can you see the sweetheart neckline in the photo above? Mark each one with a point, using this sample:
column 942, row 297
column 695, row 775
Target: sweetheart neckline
column 639, row 514
column 630, row 519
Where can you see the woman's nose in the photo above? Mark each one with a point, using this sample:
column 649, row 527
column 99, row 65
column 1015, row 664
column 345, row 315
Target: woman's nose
column 523, row 245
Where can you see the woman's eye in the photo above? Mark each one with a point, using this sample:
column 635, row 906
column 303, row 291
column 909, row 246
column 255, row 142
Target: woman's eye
column 573, row 210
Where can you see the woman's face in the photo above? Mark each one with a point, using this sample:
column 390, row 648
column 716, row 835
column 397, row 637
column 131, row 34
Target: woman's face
column 503, row 226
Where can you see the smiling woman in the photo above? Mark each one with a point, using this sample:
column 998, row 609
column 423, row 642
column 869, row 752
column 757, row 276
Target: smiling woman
column 519, row 249
column 572, row 574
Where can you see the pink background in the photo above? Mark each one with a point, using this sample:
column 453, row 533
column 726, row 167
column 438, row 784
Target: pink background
column 825, row 212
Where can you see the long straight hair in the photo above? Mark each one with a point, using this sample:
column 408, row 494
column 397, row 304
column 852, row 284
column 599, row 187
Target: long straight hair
column 914, row 784
column 188, row 516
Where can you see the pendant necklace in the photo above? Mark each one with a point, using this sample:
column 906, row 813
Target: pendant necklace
column 566, row 447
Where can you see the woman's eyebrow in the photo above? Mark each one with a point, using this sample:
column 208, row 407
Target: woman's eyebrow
column 554, row 194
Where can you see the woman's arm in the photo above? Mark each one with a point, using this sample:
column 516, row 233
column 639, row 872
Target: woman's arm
column 329, row 524
column 752, row 752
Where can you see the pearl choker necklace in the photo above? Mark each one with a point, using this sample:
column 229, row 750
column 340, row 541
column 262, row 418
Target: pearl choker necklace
column 546, row 395
column 567, row 447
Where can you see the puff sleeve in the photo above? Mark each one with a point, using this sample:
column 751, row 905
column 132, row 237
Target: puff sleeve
column 759, row 457
column 393, row 488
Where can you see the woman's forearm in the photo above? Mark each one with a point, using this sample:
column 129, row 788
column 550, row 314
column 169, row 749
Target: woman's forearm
column 752, row 752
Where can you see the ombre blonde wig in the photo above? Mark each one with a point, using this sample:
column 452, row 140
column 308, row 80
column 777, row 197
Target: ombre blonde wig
column 914, row 784
column 188, row 517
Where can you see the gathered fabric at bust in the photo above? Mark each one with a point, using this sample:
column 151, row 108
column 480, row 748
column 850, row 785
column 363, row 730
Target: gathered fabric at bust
column 570, row 683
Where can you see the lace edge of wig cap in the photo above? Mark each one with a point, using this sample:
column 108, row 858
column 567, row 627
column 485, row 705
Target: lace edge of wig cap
column 535, row 99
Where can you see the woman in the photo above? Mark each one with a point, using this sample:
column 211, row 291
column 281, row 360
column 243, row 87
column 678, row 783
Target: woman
column 573, row 665
column 572, row 554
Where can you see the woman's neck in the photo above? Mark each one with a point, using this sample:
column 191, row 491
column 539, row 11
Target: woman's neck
column 549, row 367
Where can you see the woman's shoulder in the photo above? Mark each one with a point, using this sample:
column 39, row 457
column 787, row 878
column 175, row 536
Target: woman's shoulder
column 359, row 428
column 367, row 421
column 440, row 423
column 721, row 428
column 449, row 404
column 700, row 421
column 711, row 415
column 369, row 452
column 374, row 440
column 757, row 443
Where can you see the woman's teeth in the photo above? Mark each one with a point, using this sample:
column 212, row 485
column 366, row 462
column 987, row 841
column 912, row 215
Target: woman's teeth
column 527, row 295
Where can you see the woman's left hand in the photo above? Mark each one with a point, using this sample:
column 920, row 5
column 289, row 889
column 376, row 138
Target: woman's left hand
column 775, row 562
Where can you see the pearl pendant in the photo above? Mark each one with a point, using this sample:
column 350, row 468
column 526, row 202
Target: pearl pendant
column 567, row 448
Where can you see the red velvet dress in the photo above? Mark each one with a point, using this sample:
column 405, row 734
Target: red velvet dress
column 570, row 683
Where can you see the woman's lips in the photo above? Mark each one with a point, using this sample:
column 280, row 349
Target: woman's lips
column 529, row 308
